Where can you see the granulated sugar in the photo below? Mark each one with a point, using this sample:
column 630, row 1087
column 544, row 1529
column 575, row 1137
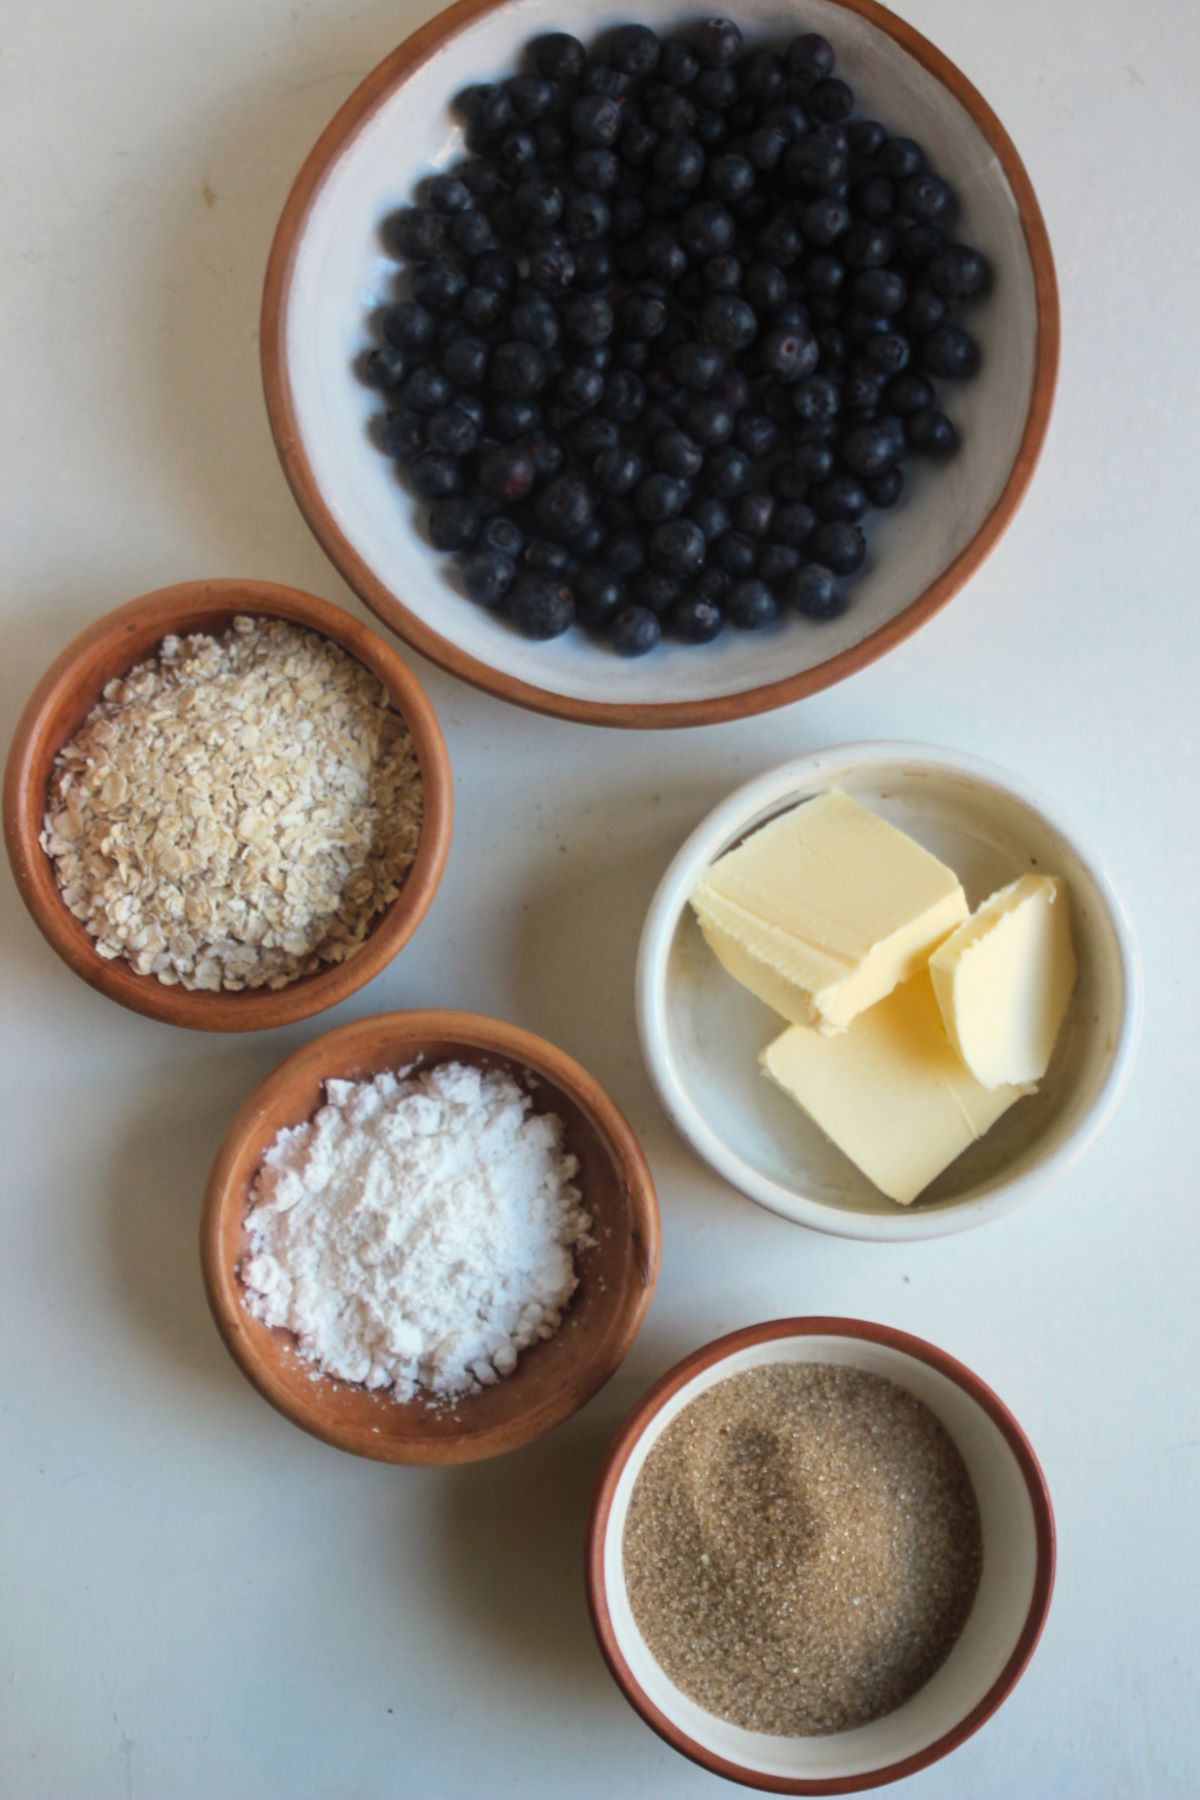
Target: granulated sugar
column 419, row 1232
column 802, row 1548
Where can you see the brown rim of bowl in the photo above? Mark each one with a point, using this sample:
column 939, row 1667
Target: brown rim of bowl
column 345, row 125
column 618, row 1456
column 335, row 1051
column 66, row 693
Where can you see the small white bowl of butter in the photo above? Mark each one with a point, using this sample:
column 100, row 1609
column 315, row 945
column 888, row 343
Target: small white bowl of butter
column 705, row 1035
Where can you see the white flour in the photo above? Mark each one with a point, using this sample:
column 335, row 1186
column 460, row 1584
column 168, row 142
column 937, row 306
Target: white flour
column 418, row 1232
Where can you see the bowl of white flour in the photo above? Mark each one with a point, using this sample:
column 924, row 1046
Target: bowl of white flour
column 428, row 1237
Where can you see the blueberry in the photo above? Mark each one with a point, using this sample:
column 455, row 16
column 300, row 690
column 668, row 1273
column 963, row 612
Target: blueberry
column 587, row 319
column 918, row 244
column 592, row 435
column 737, row 554
column 708, row 419
column 950, row 352
column 789, row 353
column 776, row 565
column 599, row 593
column 711, row 515
column 810, row 462
column 666, row 259
column 678, row 547
column 488, row 575
column 879, row 291
column 596, row 170
column 830, row 100
column 517, row 370
column 727, row 473
column 841, row 497
column 541, row 606
column 481, row 306
column 635, row 50
column 503, row 534
column 723, row 274
column 751, row 605
column 677, row 453
column 603, row 78
column 617, row 470
column 634, row 631
column 416, row 232
column 867, row 246
column 765, row 287
column 656, row 591
column 452, row 431
column 697, row 367
column 753, row 515
column 781, row 241
column 488, row 112
column 447, row 194
column 564, row 507
column 718, row 42
column 585, row 220
column 439, row 285
column 531, row 97
column 408, row 326
column 539, row 203
column 546, row 451
column 756, row 434
column 957, row 272
column 541, row 557
column 924, row 312
column 900, row 157
column 551, row 267
column 402, row 433
column 765, row 147
column 512, row 418
column 816, row 400
column 534, row 321
column 824, row 221
column 730, row 177
column 506, row 472
column 626, row 553
column 728, row 322
column 659, row 496
column 838, row 546
column 867, row 449
column 678, row 161
column 472, row 234
column 596, row 119
column 385, row 368
column 927, row 199
column 824, row 275
column 814, row 592
column 697, row 621
column 425, row 390
column 810, row 59
column 931, row 433
column 707, row 229
column 579, row 387
column 793, row 523
column 888, row 351
column 558, row 56
column 885, row 489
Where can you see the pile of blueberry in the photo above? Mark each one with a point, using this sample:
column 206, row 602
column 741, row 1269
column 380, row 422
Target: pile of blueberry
column 671, row 332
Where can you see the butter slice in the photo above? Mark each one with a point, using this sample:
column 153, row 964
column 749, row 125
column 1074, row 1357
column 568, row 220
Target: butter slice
column 823, row 911
column 1004, row 978
column 890, row 1092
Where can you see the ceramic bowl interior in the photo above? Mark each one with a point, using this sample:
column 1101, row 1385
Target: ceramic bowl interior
column 702, row 1032
column 552, row 1379
column 1001, row 1630
column 73, row 685
column 330, row 275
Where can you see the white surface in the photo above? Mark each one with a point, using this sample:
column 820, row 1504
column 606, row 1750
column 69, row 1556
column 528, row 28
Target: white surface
column 702, row 1032
column 995, row 1622
column 195, row 1598
column 341, row 259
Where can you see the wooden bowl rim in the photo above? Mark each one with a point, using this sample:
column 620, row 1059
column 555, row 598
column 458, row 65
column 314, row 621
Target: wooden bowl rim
column 474, row 1031
column 351, row 118
column 167, row 609
column 652, row 1403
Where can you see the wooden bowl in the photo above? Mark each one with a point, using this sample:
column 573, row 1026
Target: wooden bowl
column 1002, row 1628
column 552, row 1379
column 328, row 272
column 66, row 694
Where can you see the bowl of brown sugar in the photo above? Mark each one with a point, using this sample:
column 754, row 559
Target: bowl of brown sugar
column 820, row 1556
column 228, row 804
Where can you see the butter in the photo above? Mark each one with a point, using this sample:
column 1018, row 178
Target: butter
column 1004, row 978
column 891, row 1092
column 826, row 909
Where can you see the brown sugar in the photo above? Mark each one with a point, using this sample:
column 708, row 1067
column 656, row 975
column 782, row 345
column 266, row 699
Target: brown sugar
column 802, row 1548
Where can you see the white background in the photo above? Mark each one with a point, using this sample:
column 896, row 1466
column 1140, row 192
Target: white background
column 195, row 1599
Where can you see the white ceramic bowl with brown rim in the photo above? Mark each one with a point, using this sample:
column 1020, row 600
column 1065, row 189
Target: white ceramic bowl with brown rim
column 328, row 273
column 553, row 1378
column 62, row 700
column 1001, row 1631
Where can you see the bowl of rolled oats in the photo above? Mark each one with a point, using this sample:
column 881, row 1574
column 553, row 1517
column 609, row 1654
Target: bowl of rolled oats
column 228, row 805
